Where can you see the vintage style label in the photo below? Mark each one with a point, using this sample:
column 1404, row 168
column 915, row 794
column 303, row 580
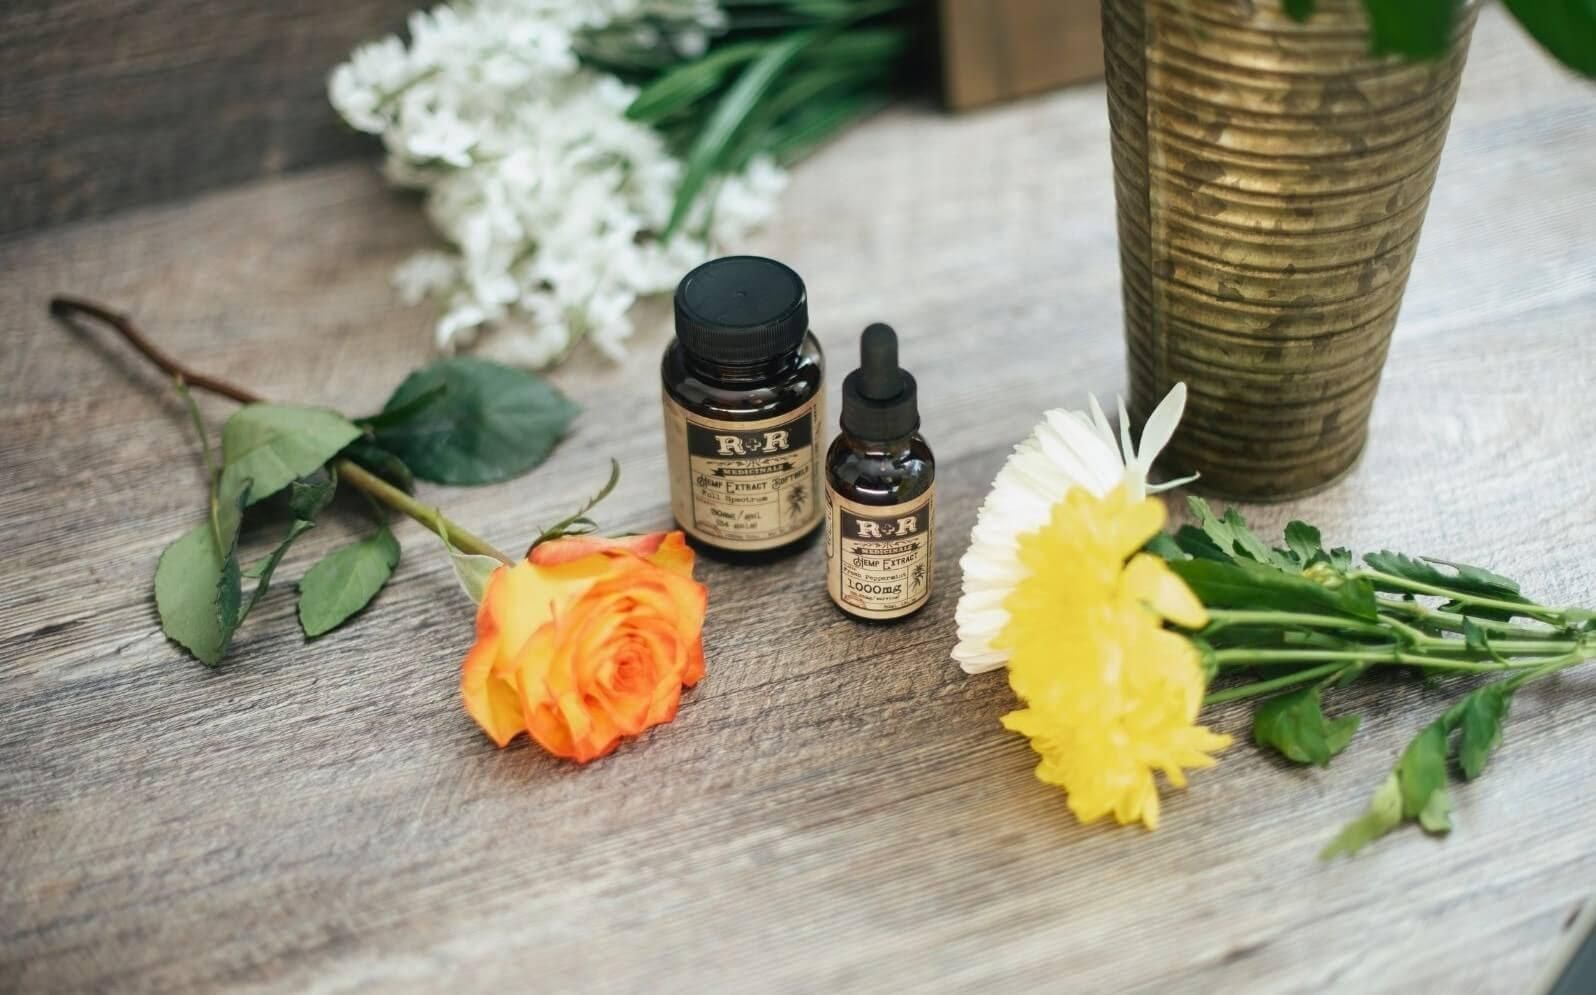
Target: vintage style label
column 745, row 485
column 879, row 557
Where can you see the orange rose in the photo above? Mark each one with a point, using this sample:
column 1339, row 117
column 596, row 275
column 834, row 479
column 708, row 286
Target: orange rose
column 585, row 641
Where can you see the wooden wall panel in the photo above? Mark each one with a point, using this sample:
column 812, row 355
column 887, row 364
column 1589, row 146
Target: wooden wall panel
column 106, row 104
column 996, row 50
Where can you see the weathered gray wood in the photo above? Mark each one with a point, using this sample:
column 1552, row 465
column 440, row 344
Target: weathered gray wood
column 106, row 104
column 836, row 806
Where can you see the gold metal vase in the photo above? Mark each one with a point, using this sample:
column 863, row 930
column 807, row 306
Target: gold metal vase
column 1271, row 180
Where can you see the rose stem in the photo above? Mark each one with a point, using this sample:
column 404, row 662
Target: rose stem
column 69, row 308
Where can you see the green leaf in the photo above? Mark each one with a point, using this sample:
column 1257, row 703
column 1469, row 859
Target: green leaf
column 1417, row 29
column 1164, row 546
column 1479, row 719
column 1232, row 535
column 1436, row 816
column 345, row 581
column 1304, row 542
column 384, row 464
column 1383, row 815
column 1422, row 771
column 263, row 571
column 493, row 423
column 1299, row 10
column 188, row 584
column 1477, row 579
column 679, row 88
column 1294, row 724
column 307, row 496
column 1464, row 579
column 1195, row 542
column 198, row 587
column 472, row 570
column 271, row 445
column 389, row 417
column 1566, row 28
column 1249, row 585
column 720, row 130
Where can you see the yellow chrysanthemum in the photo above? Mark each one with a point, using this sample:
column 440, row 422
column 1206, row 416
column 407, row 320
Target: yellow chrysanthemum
column 1112, row 694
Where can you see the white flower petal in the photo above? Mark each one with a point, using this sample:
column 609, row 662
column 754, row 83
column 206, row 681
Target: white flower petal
column 1161, row 424
column 1067, row 449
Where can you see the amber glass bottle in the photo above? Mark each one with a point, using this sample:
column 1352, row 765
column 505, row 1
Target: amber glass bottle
column 880, row 484
column 744, row 409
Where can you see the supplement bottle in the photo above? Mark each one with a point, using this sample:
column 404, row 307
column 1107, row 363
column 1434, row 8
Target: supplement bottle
column 744, row 409
column 880, row 482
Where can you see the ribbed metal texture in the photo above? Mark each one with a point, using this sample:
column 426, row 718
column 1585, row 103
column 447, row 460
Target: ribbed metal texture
column 1271, row 180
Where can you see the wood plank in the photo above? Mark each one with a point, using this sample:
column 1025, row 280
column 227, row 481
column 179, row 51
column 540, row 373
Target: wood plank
column 995, row 50
column 107, row 104
column 836, row 806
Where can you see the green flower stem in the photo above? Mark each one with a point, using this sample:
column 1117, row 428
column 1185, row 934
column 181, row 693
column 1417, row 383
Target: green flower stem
column 69, row 308
column 1402, row 583
column 1274, row 684
column 1266, row 657
column 433, row 518
column 1549, row 667
column 1438, row 619
column 1223, row 617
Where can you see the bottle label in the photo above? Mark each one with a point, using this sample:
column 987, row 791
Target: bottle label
column 879, row 557
column 745, row 485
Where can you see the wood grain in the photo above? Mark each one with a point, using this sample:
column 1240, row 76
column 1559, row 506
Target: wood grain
column 107, row 104
column 995, row 50
column 836, row 807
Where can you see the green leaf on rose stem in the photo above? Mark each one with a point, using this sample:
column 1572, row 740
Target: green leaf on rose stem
column 1422, row 771
column 1565, row 28
column 1299, row 10
column 494, row 422
column 1294, row 724
column 308, row 495
column 198, row 587
column 344, row 581
column 1416, row 29
column 472, row 570
column 262, row 571
column 1304, row 543
column 1195, row 543
column 1479, row 720
column 389, row 417
column 370, row 456
column 1254, row 586
column 1383, row 815
column 271, row 445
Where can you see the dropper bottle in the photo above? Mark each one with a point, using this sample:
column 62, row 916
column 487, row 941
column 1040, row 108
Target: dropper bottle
column 880, row 478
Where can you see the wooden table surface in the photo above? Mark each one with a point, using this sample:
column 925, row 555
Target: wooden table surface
column 836, row 806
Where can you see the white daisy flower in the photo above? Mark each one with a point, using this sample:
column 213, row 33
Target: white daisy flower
column 1067, row 449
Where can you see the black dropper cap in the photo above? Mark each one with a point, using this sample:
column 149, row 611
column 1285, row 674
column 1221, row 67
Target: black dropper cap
column 741, row 309
column 878, row 399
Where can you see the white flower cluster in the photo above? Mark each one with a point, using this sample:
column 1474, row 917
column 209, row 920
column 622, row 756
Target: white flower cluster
column 550, row 199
